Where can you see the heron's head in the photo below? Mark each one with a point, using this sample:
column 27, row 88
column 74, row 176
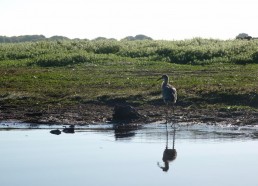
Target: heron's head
column 164, row 77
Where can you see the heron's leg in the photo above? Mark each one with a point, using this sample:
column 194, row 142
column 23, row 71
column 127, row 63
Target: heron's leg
column 173, row 112
column 166, row 136
column 174, row 136
column 167, row 109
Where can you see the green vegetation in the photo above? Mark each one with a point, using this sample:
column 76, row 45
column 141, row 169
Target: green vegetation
column 207, row 73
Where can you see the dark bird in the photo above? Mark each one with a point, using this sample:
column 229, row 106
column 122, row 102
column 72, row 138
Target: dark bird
column 69, row 129
column 169, row 93
column 56, row 132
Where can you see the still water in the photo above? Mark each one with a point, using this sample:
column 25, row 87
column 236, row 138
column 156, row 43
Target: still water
column 99, row 155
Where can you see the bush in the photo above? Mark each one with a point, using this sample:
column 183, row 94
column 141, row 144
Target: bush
column 106, row 48
column 241, row 59
column 255, row 57
column 194, row 51
column 61, row 60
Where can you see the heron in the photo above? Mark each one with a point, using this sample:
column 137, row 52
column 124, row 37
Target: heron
column 169, row 94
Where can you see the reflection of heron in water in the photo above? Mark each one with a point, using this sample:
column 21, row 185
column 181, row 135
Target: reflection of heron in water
column 169, row 154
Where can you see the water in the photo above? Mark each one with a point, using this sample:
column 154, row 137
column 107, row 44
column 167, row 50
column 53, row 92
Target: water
column 206, row 155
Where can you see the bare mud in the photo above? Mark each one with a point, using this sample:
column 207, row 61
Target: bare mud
column 101, row 113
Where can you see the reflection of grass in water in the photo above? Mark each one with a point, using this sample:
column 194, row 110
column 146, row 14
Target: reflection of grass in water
column 72, row 72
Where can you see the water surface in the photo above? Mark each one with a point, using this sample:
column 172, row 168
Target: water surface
column 206, row 155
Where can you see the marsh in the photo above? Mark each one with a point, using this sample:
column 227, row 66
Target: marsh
column 100, row 155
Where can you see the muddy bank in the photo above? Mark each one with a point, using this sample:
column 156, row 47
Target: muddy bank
column 101, row 113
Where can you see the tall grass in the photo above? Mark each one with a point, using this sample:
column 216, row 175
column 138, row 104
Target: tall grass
column 195, row 51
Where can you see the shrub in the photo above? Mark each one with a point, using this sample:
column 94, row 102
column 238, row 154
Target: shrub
column 61, row 60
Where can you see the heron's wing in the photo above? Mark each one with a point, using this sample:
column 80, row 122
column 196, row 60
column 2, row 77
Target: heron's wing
column 170, row 93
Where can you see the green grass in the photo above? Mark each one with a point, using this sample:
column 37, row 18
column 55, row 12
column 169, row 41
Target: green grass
column 206, row 73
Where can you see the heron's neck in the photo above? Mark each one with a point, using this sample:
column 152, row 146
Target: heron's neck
column 165, row 82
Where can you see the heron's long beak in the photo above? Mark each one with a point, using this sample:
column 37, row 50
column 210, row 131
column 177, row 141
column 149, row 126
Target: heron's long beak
column 159, row 79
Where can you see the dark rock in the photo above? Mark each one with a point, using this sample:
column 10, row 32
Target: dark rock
column 56, row 132
column 125, row 113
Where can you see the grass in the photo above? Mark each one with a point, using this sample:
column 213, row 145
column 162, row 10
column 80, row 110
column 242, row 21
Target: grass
column 207, row 73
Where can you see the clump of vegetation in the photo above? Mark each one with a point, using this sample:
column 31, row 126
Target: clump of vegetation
column 137, row 37
column 195, row 51
column 243, row 36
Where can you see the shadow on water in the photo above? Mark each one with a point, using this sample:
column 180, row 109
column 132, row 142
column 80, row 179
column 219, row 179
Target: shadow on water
column 125, row 131
column 169, row 154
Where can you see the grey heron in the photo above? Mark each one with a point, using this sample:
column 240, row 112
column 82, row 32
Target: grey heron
column 169, row 93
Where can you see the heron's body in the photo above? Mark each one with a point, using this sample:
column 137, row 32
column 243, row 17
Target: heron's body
column 169, row 92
